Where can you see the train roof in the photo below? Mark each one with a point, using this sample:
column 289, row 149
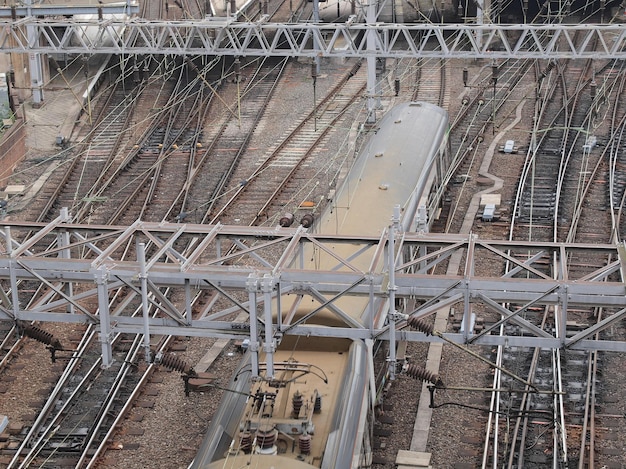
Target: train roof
column 392, row 169
column 328, row 378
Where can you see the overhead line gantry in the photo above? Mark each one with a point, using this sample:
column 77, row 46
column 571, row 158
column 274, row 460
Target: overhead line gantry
column 81, row 264
column 100, row 273
column 223, row 36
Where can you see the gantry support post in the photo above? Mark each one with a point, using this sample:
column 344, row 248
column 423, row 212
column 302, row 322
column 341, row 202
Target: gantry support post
column 35, row 67
column 560, row 315
column 252, row 286
column 371, row 64
column 188, row 312
column 469, row 274
column 371, row 313
column 393, row 314
column 15, row 298
column 480, row 6
column 64, row 240
column 269, row 345
column 369, row 343
column 105, row 325
column 317, row 59
column 143, row 278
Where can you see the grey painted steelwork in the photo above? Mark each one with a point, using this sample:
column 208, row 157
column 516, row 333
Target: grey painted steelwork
column 98, row 273
column 130, row 8
column 29, row 33
column 224, row 36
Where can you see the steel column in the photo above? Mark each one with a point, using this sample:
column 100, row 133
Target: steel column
column 391, row 290
column 106, row 337
column 253, row 347
column 143, row 278
column 269, row 345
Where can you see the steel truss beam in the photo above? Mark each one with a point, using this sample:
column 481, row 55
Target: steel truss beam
column 75, row 267
column 218, row 36
column 34, row 10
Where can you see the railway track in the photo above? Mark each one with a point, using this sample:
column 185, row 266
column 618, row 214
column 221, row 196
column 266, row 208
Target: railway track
column 531, row 428
column 79, row 413
column 539, row 418
column 79, row 185
column 596, row 410
column 213, row 169
column 286, row 192
column 102, row 391
column 191, row 202
column 430, row 83
column 52, row 437
column 547, row 425
column 91, row 158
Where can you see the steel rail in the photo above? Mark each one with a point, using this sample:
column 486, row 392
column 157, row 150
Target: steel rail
column 276, row 73
column 326, row 128
column 192, row 116
column 270, row 158
column 617, row 129
column 521, row 424
column 616, row 142
column 559, row 415
column 47, row 408
column 517, row 440
column 53, row 397
column 84, row 150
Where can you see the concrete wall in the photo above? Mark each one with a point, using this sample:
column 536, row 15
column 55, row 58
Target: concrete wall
column 12, row 150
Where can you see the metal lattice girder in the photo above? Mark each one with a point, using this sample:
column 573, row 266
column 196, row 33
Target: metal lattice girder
column 65, row 10
column 180, row 257
column 224, row 36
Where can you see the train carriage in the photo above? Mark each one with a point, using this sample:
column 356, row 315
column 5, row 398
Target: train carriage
column 316, row 411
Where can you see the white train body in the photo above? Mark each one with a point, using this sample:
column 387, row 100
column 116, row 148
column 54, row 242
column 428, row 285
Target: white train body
column 257, row 424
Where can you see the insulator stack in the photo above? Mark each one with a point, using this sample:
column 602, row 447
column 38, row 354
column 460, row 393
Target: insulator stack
column 304, row 444
column 245, row 442
column 307, row 220
column 317, row 406
column 421, row 325
column 420, row 373
column 296, row 402
column 42, row 336
column 174, row 363
column 594, row 89
column 266, row 436
column 550, row 66
column 286, row 221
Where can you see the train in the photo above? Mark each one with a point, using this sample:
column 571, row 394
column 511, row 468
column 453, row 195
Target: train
column 317, row 408
column 397, row 11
